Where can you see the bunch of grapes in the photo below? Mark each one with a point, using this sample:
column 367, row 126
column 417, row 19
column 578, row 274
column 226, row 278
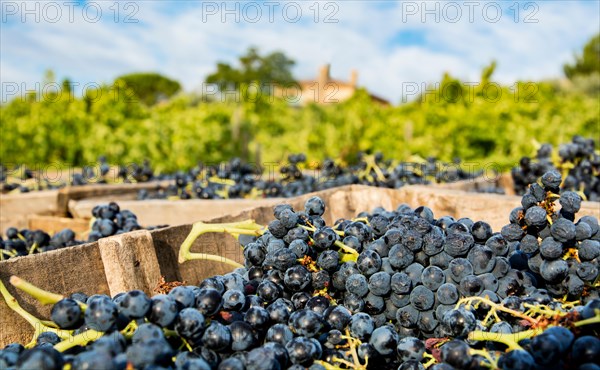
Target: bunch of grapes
column 577, row 161
column 108, row 220
column 236, row 180
column 556, row 251
column 387, row 290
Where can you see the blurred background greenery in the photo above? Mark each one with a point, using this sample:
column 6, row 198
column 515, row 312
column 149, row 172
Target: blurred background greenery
column 147, row 116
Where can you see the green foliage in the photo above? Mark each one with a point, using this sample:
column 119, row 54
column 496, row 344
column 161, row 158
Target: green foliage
column 588, row 62
column 489, row 126
column 150, row 88
column 253, row 68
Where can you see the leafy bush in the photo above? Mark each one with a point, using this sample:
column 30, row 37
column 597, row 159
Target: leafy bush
column 480, row 129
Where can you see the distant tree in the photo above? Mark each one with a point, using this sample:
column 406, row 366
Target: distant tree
column 67, row 86
column 253, row 67
column 588, row 62
column 150, row 88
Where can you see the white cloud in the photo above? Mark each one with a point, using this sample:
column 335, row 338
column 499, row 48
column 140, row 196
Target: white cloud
column 186, row 42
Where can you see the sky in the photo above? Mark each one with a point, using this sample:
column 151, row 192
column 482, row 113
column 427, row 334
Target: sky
column 394, row 45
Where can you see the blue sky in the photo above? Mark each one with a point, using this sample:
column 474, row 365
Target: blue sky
column 389, row 42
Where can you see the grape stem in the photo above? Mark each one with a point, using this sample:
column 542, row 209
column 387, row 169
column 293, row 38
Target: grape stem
column 511, row 340
column 42, row 296
column 80, row 339
column 37, row 324
column 248, row 227
column 492, row 361
column 495, row 306
column 590, row 321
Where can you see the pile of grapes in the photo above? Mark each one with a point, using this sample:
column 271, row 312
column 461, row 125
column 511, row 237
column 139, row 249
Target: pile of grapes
column 29, row 180
column 577, row 161
column 386, row 290
column 235, row 179
column 108, row 220
column 238, row 180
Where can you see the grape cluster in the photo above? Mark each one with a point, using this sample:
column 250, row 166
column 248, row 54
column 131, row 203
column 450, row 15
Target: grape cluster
column 387, row 290
column 561, row 255
column 577, row 161
column 109, row 220
column 30, row 180
column 25, row 241
column 237, row 180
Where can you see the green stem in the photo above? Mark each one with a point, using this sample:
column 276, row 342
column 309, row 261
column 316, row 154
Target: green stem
column 80, row 339
column 590, row 321
column 248, row 227
column 511, row 340
column 42, row 296
column 493, row 362
column 346, row 248
column 37, row 324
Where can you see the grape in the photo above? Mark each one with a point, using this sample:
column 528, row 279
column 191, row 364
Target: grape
column 459, row 268
column 551, row 249
column 384, row 339
column 570, row 201
column 512, row 232
column 458, row 244
column 279, row 333
column 101, row 313
column 184, row 296
column 134, row 304
column 497, row 244
column 314, row 206
column 447, row 294
column 586, row 349
column 401, row 283
column 67, row 314
column 481, row 231
column 407, row 316
column 456, row 353
column 589, row 250
column 324, row 238
column 361, row 325
column 554, row 271
column 301, row 350
column 379, row 283
column 369, row 262
column 242, row 336
column 422, row 298
column 257, row 317
column 40, row 358
column 190, row 324
column 536, row 217
column 458, row 322
column 551, row 180
column 546, row 349
column 432, row 277
column 216, row 336
column 482, row 259
column 306, row 322
column 400, row 256
column 517, row 360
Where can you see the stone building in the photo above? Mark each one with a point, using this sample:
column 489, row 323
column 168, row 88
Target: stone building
column 323, row 90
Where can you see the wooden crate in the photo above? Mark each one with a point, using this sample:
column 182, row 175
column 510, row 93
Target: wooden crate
column 137, row 260
column 174, row 212
column 16, row 208
column 480, row 184
column 54, row 224
column 103, row 193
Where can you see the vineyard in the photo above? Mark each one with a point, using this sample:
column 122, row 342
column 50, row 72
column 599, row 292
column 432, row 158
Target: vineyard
column 480, row 125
